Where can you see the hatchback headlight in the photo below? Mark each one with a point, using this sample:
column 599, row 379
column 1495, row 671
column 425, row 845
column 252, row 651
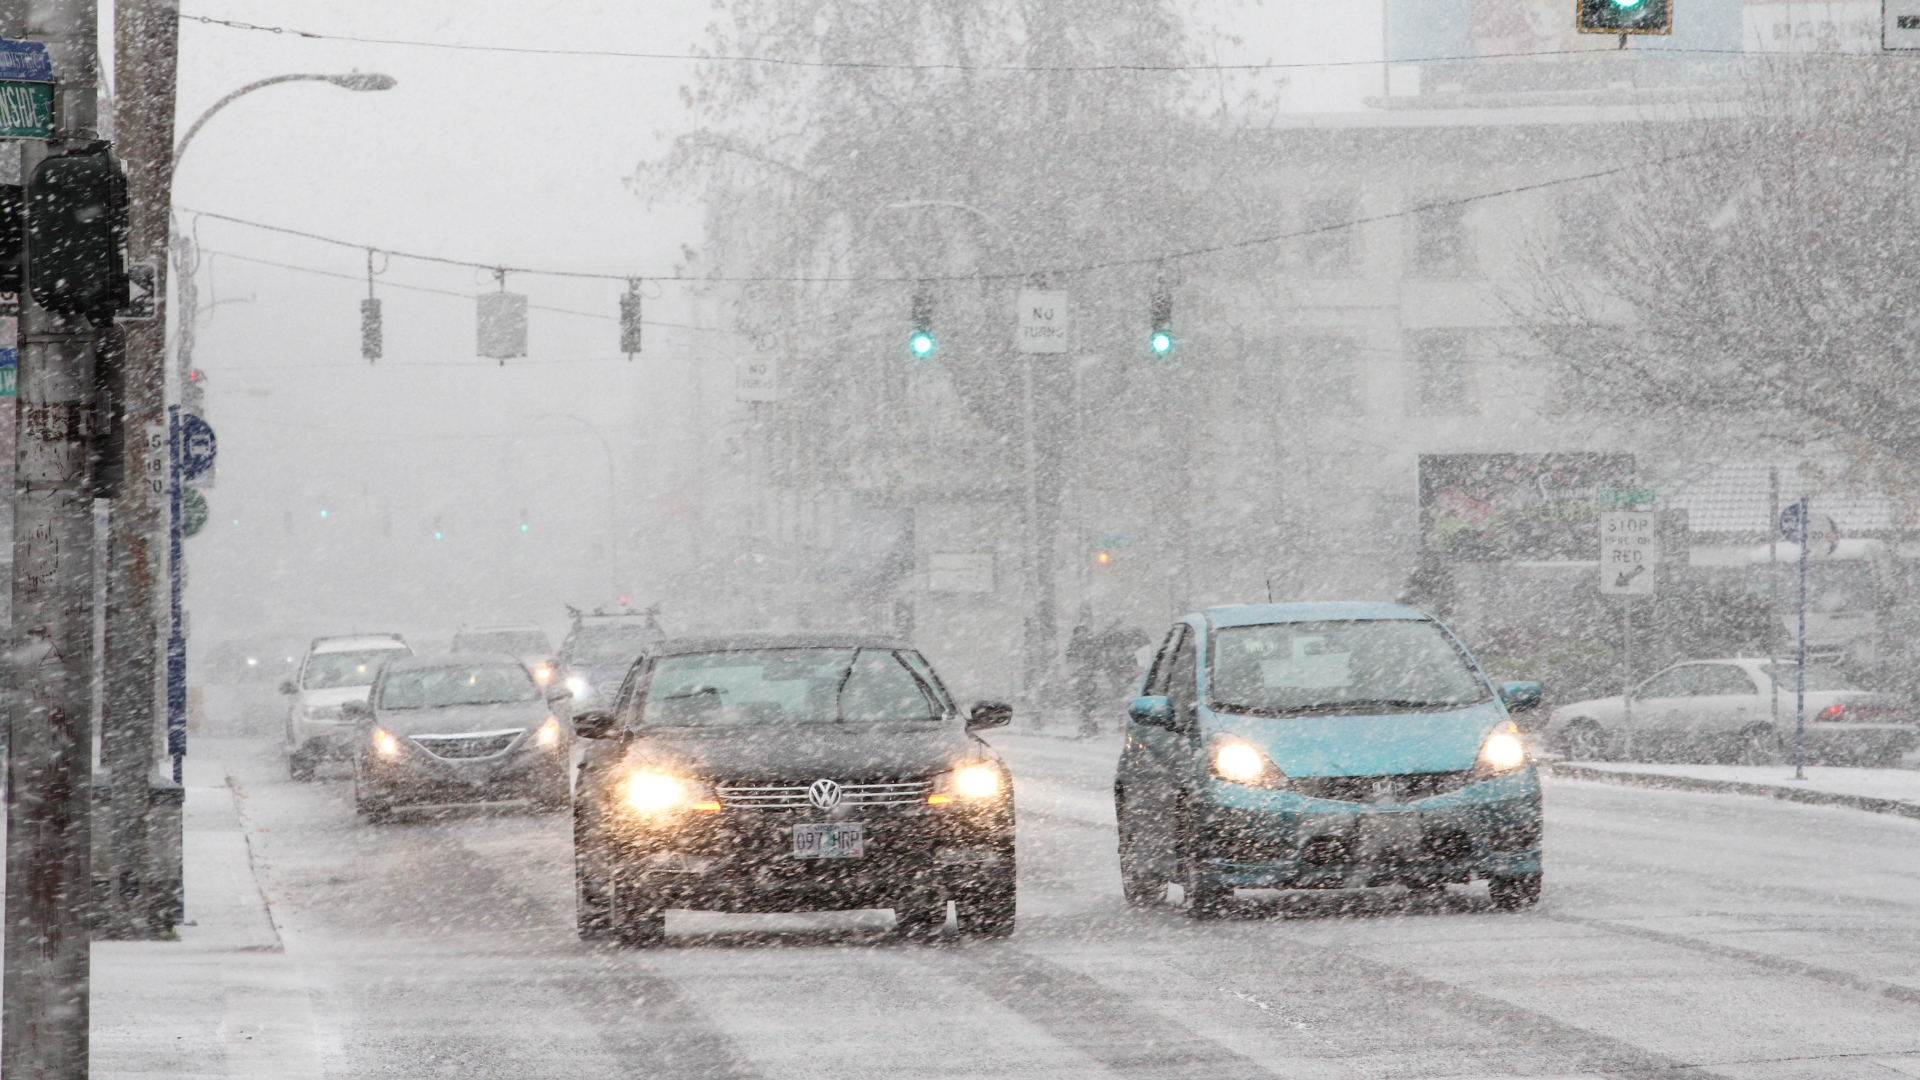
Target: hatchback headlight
column 1503, row 752
column 971, row 782
column 1237, row 761
column 650, row 791
column 548, row 734
column 385, row 743
column 577, row 685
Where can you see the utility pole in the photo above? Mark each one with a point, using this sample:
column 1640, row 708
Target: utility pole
column 143, row 867
column 44, row 1011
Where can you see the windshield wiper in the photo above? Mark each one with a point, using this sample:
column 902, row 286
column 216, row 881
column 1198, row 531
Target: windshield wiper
column 1356, row 705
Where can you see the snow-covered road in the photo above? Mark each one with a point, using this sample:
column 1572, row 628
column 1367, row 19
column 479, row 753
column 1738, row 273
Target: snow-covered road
column 1682, row 935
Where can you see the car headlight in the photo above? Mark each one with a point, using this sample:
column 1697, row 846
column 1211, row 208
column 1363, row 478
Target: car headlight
column 385, row 743
column 549, row 733
column 979, row 780
column 543, row 674
column 1504, row 751
column 1238, row 761
column 577, row 685
column 651, row 792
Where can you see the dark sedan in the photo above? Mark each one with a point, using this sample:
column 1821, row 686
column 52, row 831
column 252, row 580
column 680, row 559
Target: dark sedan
column 463, row 728
column 791, row 773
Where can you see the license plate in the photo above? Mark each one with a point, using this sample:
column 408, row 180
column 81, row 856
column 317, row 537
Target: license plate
column 847, row 841
column 1390, row 832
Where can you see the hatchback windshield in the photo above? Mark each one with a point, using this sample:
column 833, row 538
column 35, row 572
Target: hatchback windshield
column 1321, row 668
column 466, row 684
column 511, row 642
column 328, row 671
column 789, row 686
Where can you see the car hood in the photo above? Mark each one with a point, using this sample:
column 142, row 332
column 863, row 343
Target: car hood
column 850, row 752
column 1367, row 745
column 333, row 695
column 455, row 719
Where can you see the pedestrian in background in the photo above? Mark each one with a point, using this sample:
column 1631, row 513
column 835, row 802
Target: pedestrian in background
column 1083, row 664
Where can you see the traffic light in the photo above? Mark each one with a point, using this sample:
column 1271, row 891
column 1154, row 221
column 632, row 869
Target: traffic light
column 1626, row 17
column 1160, row 340
column 630, row 320
column 370, row 336
column 76, row 231
column 13, row 236
column 920, row 342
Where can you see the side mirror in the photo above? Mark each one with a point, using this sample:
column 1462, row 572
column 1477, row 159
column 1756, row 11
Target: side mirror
column 356, row 710
column 1520, row 696
column 986, row 714
column 1154, row 709
column 287, row 687
column 593, row 724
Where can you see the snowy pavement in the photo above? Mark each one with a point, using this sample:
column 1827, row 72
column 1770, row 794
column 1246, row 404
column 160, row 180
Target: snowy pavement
column 1891, row 785
column 1682, row 934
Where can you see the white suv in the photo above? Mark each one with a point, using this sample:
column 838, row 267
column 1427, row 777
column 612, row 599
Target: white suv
column 336, row 670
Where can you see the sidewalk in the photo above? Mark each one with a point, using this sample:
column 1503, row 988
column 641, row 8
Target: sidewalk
column 1886, row 791
column 222, row 1001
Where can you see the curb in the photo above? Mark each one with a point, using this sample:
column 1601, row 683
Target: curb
column 1736, row 787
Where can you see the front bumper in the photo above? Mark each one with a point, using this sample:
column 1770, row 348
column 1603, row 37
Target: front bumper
column 1256, row 838
column 413, row 775
column 742, row 859
column 322, row 737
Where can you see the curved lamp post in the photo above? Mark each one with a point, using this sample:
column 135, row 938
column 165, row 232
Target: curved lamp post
column 351, row 81
column 613, row 493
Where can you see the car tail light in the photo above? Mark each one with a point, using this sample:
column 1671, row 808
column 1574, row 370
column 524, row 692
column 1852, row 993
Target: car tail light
column 1833, row 714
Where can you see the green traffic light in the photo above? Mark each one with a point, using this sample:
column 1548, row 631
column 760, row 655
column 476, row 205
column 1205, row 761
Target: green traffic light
column 1161, row 342
column 921, row 343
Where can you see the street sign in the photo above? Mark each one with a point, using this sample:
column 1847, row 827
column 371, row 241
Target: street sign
column 1044, row 319
column 197, row 447
column 26, row 90
column 1615, row 496
column 9, row 356
column 501, row 332
column 756, row 379
column 193, row 511
column 1899, row 25
column 142, row 274
column 1629, row 548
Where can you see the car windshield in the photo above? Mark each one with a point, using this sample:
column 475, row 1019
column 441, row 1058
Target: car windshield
column 788, row 686
column 328, row 671
column 464, row 684
column 1333, row 668
column 511, row 642
column 608, row 646
column 1820, row 677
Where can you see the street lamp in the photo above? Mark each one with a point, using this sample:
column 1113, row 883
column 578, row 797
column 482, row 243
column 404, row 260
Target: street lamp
column 355, row 80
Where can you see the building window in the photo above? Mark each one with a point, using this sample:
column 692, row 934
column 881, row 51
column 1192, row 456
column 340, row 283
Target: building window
column 1440, row 241
column 1441, row 384
column 1331, row 248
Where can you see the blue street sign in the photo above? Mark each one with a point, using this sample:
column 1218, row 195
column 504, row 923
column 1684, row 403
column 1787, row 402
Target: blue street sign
column 1793, row 522
column 9, row 372
column 197, row 447
column 25, row 61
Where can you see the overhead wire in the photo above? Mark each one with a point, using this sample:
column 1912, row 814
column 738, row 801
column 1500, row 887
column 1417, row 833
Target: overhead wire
column 894, row 65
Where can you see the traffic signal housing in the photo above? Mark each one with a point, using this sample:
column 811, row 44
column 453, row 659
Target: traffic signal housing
column 76, row 233
column 1626, row 16
column 920, row 343
column 1160, row 338
column 13, row 236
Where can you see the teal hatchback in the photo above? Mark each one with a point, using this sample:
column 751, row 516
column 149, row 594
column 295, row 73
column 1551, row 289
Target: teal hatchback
column 1324, row 746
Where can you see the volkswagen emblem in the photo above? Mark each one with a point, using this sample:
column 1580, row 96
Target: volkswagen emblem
column 824, row 794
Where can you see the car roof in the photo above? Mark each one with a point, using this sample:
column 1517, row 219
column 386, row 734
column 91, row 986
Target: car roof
column 775, row 640
column 1324, row 611
column 515, row 628
column 357, row 643
column 454, row 660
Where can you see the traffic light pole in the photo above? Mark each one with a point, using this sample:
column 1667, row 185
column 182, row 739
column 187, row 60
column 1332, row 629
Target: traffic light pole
column 143, row 868
column 44, row 1000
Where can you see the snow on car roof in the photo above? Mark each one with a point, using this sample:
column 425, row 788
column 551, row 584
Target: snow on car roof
column 1329, row 611
column 358, row 643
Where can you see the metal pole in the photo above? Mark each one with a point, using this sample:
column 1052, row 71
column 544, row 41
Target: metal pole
column 1626, row 672
column 1800, row 673
column 1773, row 586
column 146, row 44
column 44, row 1003
column 176, row 630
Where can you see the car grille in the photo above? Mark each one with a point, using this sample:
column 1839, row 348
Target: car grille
column 467, row 747
column 1366, row 789
column 901, row 793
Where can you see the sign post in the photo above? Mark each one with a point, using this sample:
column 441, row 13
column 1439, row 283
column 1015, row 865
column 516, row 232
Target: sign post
column 1629, row 550
column 1796, row 527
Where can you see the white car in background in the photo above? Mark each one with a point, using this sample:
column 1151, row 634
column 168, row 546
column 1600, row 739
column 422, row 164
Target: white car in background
column 1737, row 711
column 335, row 671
